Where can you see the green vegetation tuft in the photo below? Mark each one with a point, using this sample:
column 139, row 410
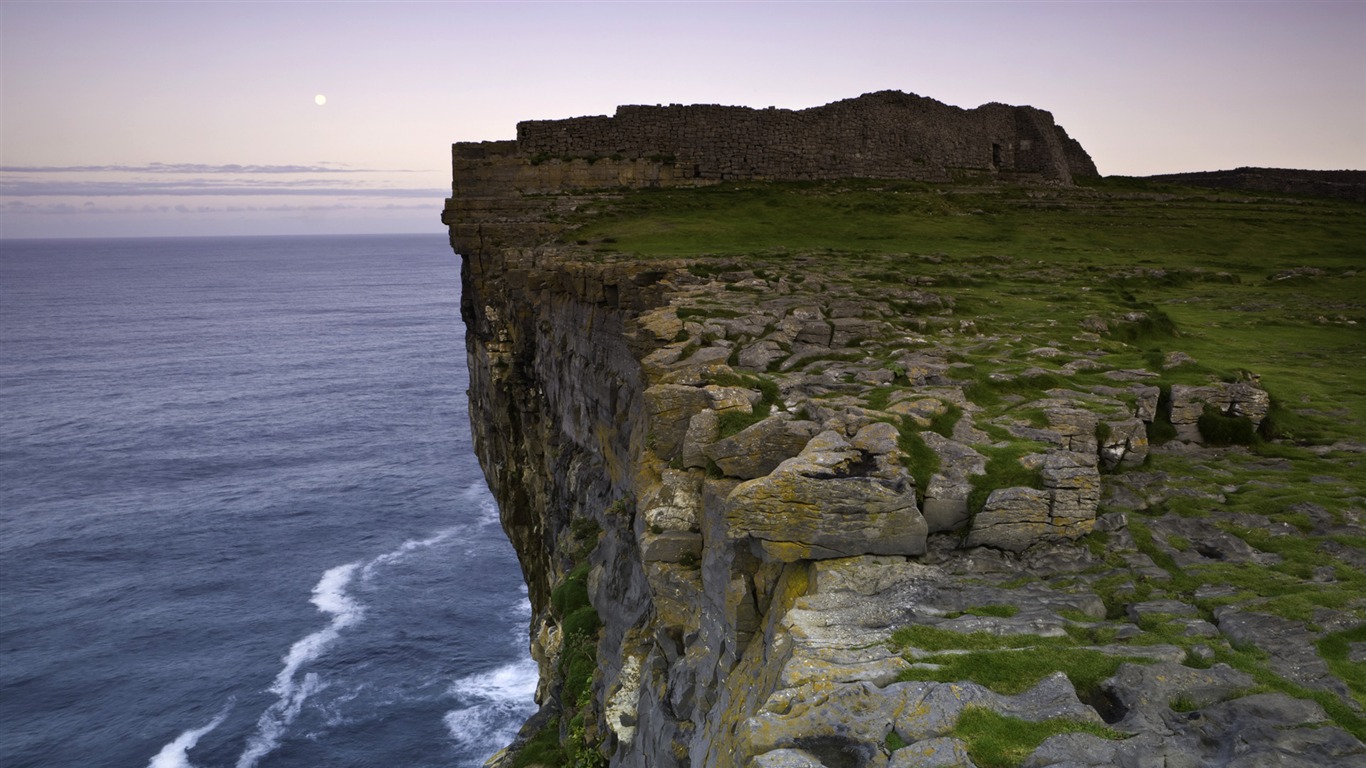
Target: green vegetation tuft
column 1160, row 429
column 1219, row 429
column 1006, row 664
column 946, row 421
column 1003, row 470
column 543, row 748
column 999, row 611
column 1334, row 648
column 919, row 459
column 1000, row 741
column 1016, row 671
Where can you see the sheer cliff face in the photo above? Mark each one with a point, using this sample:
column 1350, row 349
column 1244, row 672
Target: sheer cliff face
column 708, row 474
column 591, row 405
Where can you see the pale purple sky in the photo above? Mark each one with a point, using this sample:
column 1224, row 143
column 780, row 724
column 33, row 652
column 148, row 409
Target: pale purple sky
column 131, row 118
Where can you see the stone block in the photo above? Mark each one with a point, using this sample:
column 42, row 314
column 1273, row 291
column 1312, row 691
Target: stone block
column 758, row 449
column 824, row 503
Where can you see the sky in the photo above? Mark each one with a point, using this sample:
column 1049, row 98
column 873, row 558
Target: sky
column 202, row 118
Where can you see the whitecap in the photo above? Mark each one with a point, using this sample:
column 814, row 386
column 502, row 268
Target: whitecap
column 403, row 550
column 496, row 704
column 177, row 753
column 329, row 596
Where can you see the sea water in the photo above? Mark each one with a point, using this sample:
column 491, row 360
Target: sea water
column 242, row 521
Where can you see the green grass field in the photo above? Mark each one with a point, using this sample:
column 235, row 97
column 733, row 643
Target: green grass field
column 1242, row 282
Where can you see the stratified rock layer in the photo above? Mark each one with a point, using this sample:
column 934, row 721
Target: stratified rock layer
column 770, row 492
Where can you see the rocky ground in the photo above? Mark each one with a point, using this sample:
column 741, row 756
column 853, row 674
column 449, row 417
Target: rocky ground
column 1031, row 544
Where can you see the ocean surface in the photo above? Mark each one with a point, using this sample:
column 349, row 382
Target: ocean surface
column 241, row 523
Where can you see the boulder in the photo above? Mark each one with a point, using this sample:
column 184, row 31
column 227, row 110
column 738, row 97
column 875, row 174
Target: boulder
column 847, row 329
column 1074, row 427
column 1073, row 483
column 1125, row 443
column 756, row 450
column 739, row 399
column 703, row 429
column 786, row 758
column 946, row 495
column 760, row 355
column 1231, row 399
column 1147, row 693
column 940, row 752
column 831, row 500
column 1014, row 519
column 671, row 408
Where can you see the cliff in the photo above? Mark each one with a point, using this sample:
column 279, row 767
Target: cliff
column 803, row 506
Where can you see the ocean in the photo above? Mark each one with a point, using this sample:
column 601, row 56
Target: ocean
column 241, row 522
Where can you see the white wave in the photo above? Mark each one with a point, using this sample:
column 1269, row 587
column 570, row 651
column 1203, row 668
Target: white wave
column 403, row 550
column 330, row 596
column 177, row 753
column 497, row 702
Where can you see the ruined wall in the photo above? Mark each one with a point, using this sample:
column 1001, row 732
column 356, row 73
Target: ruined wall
column 879, row 135
column 498, row 194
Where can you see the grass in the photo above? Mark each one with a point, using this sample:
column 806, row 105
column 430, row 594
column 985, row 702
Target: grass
column 543, row 748
column 1334, row 649
column 919, row 459
column 1003, row 470
column 1198, row 264
column 1007, row 664
column 733, row 422
column 1016, row 671
column 1000, row 741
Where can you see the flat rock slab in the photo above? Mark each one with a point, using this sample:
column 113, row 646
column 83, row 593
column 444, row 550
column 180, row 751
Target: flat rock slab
column 1289, row 645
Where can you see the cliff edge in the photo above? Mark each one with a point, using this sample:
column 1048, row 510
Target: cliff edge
column 813, row 506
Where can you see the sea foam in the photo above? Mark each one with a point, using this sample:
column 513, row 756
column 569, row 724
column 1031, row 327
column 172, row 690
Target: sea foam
column 329, row 596
column 497, row 702
column 176, row 754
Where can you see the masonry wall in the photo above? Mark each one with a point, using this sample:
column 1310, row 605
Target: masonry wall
column 880, row 135
column 499, row 188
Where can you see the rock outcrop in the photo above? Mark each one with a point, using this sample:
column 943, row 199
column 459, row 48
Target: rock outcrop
column 794, row 520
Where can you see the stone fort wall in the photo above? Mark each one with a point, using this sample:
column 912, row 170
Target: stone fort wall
column 508, row 193
column 879, row 135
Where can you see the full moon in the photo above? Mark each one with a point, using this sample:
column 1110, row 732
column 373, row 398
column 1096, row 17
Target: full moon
column 320, row 99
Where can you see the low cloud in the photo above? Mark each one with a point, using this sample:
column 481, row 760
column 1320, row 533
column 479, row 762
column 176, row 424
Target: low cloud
column 186, row 179
column 216, row 187
column 194, row 168
column 18, row 207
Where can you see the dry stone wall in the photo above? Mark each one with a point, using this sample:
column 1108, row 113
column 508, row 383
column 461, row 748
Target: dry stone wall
column 501, row 193
column 881, row 135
